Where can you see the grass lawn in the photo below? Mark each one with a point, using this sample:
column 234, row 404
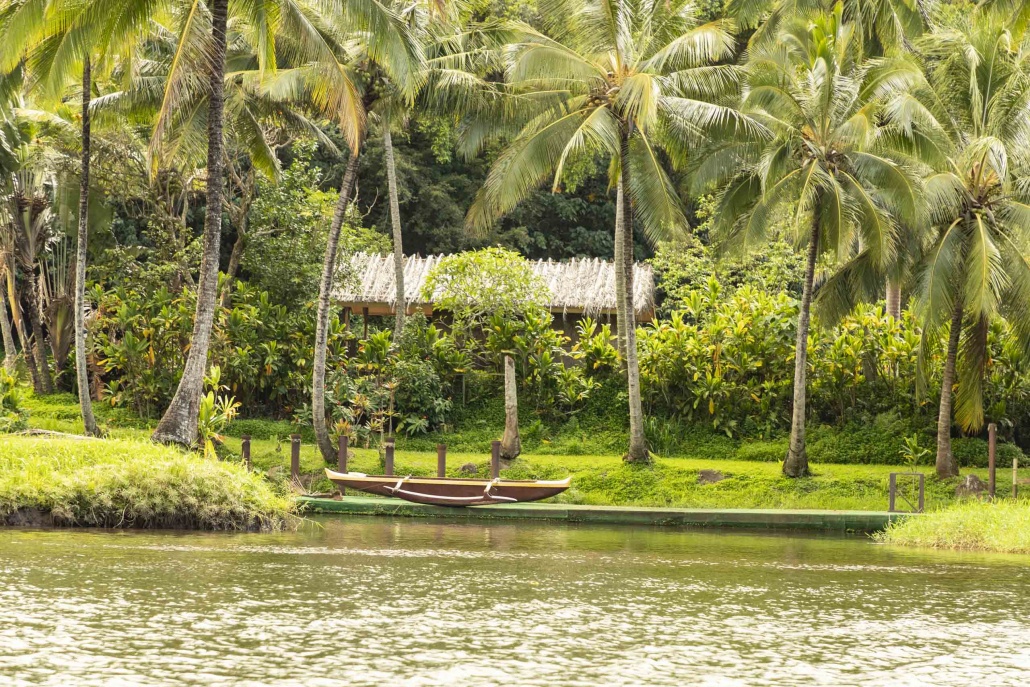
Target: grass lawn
column 597, row 479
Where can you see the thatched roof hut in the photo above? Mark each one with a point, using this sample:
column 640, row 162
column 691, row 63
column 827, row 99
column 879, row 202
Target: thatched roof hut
column 579, row 286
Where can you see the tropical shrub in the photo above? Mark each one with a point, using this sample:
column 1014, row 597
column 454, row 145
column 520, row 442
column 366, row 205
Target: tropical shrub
column 13, row 417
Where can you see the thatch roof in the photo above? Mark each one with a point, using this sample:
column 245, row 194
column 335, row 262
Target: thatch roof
column 584, row 286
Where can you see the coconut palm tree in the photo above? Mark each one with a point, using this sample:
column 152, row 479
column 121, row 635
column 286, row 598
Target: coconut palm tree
column 274, row 24
column 632, row 83
column 969, row 120
column 821, row 172
column 178, row 425
column 372, row 63
column 59, row 39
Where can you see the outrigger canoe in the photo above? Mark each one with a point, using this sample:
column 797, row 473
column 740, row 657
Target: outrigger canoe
column 450, row 491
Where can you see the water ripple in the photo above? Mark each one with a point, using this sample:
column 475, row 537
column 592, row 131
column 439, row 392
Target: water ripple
column 378, row 602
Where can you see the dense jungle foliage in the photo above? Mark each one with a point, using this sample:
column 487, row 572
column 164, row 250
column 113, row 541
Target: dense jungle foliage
column 738, row 101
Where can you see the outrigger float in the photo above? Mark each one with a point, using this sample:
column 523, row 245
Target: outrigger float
column 449, row 491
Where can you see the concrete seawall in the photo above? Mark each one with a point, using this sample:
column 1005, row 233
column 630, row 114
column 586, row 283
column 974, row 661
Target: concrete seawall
column 761, row 519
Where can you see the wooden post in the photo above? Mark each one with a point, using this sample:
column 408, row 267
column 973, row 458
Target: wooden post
column 295, row 457
column 992, row 458
column 245, row 449
column 341, row 454
column 441, row 460
column 1015, row 477
column 364, row 315
column 389, row 458
column 495, row 460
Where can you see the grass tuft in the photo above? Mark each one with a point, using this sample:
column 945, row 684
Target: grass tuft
column 132, row 483
column 1002, row 527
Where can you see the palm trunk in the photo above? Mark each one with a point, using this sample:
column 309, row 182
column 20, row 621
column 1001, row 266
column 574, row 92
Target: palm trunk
column 638, row 451
column 947, row 466
column 796, row 464
column 325, row 287
column 620, row 275
column 10, row 352
column 894, row 299
column 38, row 340
column 81, row 363
column 19, row 325
column 179, row 423
column 400, row 307
column 511, row 444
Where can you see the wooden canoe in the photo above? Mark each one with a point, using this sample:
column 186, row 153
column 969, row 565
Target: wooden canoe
column 450, row 491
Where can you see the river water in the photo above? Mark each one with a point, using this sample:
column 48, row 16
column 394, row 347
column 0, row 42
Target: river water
column 369, row 601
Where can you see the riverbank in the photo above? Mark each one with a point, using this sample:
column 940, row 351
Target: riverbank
column 704, row 482
column 1002, row 527
column 67, row 481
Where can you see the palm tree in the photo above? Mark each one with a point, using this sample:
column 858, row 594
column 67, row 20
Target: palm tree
column 969, row 120
column 633, row 83
column 274, row 25
column 384, row 50
column 178, row 425
column 821, row 170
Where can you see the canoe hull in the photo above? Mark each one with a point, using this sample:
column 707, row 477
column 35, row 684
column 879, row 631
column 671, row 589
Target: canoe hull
column 448, row 491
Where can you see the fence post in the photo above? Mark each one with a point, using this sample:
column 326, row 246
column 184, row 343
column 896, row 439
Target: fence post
column 1015, row 477
column 893, row 491
column 341, row 454
column 992, row 458
column 245, row 450
column 389, row 457
column 495, row 460
column 295, row 457
column 441, row 460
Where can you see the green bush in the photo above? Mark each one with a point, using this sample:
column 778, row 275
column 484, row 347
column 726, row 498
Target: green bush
column 13, row 417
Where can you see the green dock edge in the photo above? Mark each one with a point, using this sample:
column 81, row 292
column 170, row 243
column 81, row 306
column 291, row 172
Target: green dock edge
column 760, row 519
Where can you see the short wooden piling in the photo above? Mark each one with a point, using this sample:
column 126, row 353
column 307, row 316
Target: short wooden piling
column 1015, row 477
column 245, row 449
column 441, row 460
column 295, row 457
column 495, row 460
column 992, row 457
column 389, row 457
column 341, row 454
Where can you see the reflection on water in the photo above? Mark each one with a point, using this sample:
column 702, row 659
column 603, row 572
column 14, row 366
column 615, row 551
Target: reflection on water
column 369, row 601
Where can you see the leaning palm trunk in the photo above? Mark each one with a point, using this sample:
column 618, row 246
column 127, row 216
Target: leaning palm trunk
column 179, row 423
column 946, row 464
column 400, row 307
column 81, row 364
column 36, row 323
column 325, row 287
column 23, row 337
column 796, row 464
column 894, row 299
column 511, row 444
column 5, row 329
column 620, row 275
column 638, row 451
